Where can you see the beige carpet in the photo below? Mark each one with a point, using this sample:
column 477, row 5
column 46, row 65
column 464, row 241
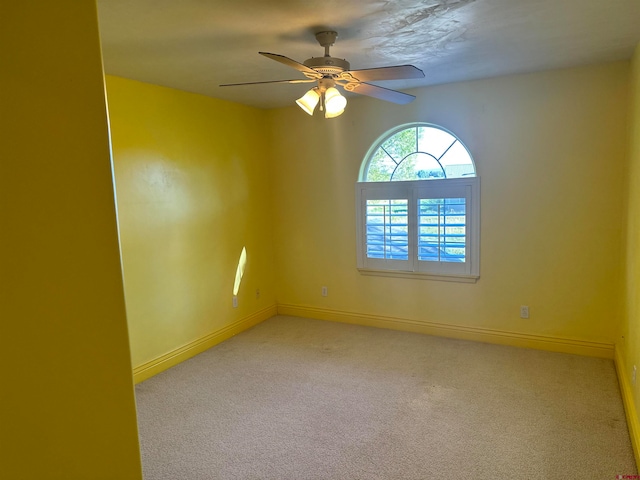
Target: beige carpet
column 295, row 398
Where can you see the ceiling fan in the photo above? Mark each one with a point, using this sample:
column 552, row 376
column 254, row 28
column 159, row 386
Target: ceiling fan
column 328, row 72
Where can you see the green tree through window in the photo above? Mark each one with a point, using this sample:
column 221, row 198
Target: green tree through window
column 419, row 152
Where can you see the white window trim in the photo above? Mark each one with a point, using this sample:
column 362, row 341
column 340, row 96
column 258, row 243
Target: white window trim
column 412, row 190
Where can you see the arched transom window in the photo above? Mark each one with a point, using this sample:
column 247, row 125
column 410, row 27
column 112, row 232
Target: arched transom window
column 418, row 205
column 418, row 152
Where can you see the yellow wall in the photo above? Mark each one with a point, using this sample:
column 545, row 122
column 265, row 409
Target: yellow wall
column 629, row 341
column 67, row 407
column 550, row 149
column 193, row 186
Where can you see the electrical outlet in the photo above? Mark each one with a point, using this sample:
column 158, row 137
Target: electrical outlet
column 524, row 311
column 235, row 301
column 633, row 375
column 325, row 292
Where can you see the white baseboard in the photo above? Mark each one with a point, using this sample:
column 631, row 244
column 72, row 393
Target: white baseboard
column 540, row 342
column 172, row 358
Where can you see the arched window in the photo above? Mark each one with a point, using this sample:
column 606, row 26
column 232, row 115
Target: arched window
column 418, row 205
column 417, row 152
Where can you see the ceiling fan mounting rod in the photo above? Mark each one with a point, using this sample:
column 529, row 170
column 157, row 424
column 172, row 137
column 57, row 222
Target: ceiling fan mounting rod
column 327, row 65
column 326, row 39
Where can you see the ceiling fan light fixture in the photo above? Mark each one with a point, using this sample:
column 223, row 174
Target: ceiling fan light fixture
column 327, row 114
column 309, row 101
column 334, row 103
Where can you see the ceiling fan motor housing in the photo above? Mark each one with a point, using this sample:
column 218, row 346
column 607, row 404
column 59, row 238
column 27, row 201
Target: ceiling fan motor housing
column 327, row 65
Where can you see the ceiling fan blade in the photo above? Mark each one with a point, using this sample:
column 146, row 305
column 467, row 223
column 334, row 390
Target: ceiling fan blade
column 310, row 72
column 379, row 92
column 306, row 80
column 399, row 72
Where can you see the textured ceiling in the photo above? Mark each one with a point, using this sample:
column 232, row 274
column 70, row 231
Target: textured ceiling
column 195, row 45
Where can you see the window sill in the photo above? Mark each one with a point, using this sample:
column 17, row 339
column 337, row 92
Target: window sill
column 420, row 276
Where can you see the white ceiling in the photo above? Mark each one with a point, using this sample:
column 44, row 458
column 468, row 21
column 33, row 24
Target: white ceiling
column 195, row 45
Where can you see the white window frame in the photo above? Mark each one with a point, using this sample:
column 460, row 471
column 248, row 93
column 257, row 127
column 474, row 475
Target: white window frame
column 465, row 187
